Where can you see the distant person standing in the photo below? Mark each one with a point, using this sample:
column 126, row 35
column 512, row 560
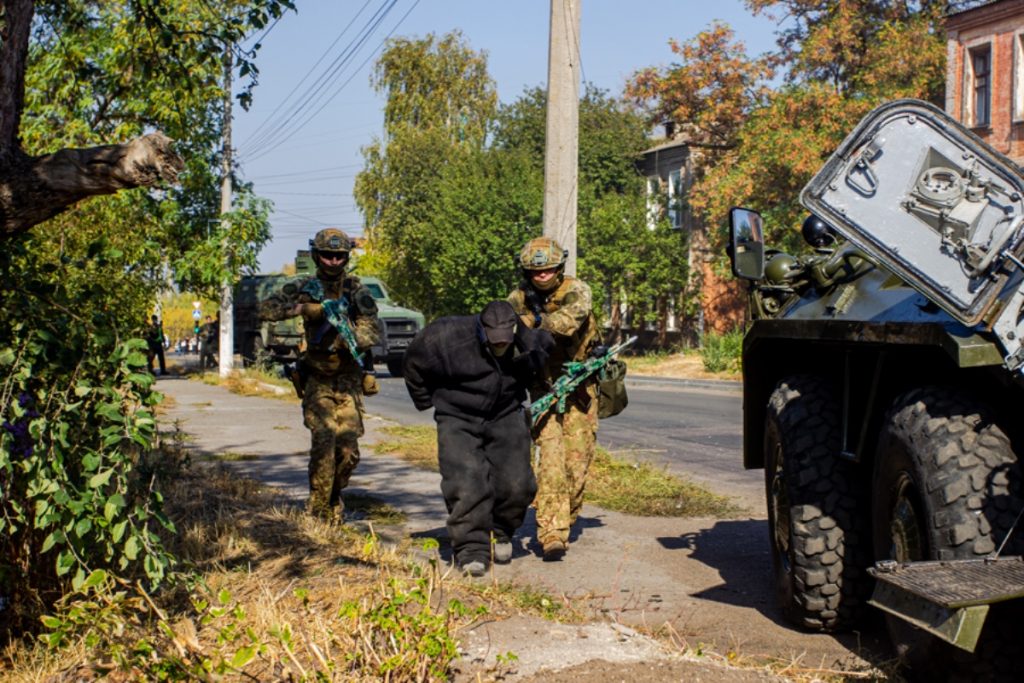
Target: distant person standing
column 209, row 340
column 340, row 326
column 548, row 299
column 474, row 370
column 155, row 345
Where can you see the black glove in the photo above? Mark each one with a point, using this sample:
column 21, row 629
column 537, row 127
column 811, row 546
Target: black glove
column 598, row 351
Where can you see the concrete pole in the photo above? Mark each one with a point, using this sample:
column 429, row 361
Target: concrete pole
column 227, row 321
column 561, row 155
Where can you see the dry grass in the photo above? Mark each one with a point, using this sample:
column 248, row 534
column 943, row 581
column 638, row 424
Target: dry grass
column 614, row 482
column 627, row 485
column 272, row 594
column 682, row 365
column 252, row 382
column 416, row 444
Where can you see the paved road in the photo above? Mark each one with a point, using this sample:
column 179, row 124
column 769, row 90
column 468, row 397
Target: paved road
column 692, row 428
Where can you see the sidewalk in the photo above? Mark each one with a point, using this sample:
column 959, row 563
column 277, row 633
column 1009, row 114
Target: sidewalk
column 708, row 579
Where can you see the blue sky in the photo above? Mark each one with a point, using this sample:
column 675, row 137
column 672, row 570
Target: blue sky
column 306, row 160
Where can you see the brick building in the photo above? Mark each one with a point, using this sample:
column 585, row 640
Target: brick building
column 985, row 73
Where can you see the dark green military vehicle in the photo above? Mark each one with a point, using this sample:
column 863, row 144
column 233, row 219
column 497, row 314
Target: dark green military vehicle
column 883, row 392
column 281, row 340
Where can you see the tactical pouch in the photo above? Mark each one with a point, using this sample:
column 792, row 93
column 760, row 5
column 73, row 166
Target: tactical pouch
column 370, row 386
column 611, row 381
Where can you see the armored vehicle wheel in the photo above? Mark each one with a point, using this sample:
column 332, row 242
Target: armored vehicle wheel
column 946, row 486
column 817, row 509
column 395, row 366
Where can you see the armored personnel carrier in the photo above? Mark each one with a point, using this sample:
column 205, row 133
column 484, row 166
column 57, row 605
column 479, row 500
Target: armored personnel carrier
column 883, row 376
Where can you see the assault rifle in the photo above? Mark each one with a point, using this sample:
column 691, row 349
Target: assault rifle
column 576, row 373
column 336, row 312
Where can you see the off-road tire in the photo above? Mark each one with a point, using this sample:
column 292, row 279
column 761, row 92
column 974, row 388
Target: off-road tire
column 817, row 509
column 947, row 486
column 395, row 366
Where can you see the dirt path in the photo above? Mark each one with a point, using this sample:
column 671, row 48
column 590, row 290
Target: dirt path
column 705, row 580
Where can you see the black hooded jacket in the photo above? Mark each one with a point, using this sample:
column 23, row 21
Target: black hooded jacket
column 450, row 366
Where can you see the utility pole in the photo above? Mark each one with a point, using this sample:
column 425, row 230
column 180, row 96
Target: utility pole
column 227, row 322
column 561, row 154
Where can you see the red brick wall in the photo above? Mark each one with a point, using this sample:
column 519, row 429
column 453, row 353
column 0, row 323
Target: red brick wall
column 1000, row 24
column 724, row 301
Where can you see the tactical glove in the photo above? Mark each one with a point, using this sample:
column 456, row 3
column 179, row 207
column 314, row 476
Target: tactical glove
column 309, row 311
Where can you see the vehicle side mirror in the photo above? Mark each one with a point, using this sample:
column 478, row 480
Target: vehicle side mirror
column 746, row 248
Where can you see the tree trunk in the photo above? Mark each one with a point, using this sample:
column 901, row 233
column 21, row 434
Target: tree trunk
column 35, row 189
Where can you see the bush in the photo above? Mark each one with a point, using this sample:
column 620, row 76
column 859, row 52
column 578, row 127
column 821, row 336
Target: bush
column 76, row 419
column 722, row 352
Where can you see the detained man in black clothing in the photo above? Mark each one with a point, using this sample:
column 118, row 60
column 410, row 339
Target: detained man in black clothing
column 474, row 371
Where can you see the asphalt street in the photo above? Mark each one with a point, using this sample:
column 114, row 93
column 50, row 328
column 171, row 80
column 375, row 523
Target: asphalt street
column 692, row 428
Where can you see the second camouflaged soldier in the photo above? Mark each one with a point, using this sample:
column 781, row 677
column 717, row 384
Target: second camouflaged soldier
column 340, row 323
column 551, row 300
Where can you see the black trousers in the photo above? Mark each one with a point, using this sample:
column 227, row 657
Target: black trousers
column 486, row 480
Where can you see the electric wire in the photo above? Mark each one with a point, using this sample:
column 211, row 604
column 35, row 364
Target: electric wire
column 260, row 128
column 338, row 90
column 314, row 93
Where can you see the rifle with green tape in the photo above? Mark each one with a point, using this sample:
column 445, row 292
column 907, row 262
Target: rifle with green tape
column 336, row 312
column 576, row 373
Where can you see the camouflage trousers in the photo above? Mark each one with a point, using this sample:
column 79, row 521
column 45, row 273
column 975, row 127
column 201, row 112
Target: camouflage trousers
column 333, row 413
column 566, row 443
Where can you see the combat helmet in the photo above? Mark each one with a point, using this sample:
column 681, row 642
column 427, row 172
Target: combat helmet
column 330, row 241
column 542, row 253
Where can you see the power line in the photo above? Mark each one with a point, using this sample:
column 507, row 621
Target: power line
column 298, row 85
column 313, row 170
column 314, row 91
column 337, row 91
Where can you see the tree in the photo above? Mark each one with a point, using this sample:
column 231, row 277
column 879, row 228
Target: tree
column 77, row 429
column 842, row 58
column 163, row 41
column 440, row 102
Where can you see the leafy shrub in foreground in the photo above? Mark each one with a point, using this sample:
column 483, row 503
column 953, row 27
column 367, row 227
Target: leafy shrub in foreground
column 76, row 416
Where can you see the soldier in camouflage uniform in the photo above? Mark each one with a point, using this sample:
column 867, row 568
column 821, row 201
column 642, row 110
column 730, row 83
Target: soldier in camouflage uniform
column 333, row 380
column 550, row 300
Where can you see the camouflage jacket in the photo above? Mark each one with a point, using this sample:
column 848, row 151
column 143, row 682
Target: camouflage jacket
column 324, row 351
column 566, row 312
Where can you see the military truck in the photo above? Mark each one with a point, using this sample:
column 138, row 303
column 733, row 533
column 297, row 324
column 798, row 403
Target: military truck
column 882, row 379
column 282, row 340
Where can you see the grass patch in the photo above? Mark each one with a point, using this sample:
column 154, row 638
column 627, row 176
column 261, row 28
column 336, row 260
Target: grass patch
column 231, row 456
column 372, row 508
column 416, row 444
column 271, row 594
column 614, row 483
column 253, row 382
column 640, row 488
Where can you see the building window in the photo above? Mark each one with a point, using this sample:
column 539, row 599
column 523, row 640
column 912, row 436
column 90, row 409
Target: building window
column 980, row 91
column 653, row 202
column 675, row 199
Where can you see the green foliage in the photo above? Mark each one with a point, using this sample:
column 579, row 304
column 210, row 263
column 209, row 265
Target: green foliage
column 841, row 59
column 400, row 629
column 76, row 407
column 103, row 72
column 722, row 352
column 447, row 212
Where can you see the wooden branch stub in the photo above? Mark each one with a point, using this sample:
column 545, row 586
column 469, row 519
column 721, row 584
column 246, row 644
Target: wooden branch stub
column 34, row 189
